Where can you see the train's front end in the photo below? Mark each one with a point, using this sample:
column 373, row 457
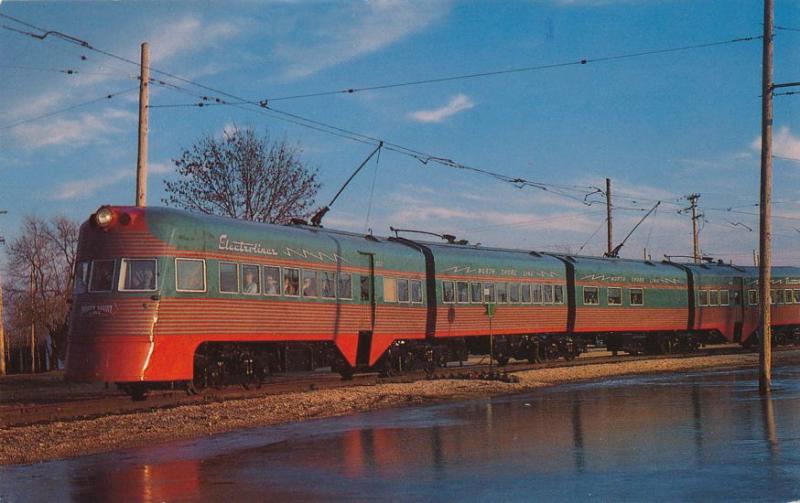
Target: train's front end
column 116, row 297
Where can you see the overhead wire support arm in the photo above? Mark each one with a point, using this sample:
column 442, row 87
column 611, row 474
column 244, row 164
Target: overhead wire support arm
column 316, row 220
column 615, row 252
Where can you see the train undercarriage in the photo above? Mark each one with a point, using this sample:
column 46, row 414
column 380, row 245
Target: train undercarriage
column 220, row 364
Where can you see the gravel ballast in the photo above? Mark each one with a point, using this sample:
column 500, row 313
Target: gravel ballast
column 27, row 444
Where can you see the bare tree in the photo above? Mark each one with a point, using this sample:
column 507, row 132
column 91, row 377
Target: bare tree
column 244, row 176
column 39, row 282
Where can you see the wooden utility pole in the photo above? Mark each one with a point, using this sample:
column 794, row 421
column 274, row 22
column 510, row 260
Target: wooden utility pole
column 33, row 318
column 765, row 207
column 610, row 239
column 2, row 332
column 144, row 100
column 696, row 246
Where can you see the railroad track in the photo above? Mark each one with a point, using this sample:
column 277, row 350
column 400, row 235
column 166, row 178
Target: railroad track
column 111, row 402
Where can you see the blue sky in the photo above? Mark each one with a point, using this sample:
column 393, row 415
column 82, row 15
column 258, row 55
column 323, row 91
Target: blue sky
column 660, row 126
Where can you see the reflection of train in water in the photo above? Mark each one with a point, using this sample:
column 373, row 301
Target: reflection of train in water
column 165, row 296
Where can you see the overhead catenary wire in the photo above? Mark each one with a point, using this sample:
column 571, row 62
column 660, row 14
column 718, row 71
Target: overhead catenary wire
column 506, row 71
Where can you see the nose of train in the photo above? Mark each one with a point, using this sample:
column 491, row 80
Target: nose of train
column 108, row 360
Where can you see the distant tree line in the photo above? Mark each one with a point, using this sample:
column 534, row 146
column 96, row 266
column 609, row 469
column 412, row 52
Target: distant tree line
column 37, row 286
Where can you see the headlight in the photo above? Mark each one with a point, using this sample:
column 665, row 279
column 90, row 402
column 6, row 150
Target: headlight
column 103, row 217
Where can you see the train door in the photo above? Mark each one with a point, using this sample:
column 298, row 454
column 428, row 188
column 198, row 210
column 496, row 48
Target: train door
column 366, row 295
column 739, row 301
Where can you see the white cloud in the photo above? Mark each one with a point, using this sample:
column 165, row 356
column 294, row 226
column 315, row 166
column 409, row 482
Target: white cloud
column 784, row 144
column 189, row 34
column 457, row 104
column 354, row 30
column 85, row 187
column 160, row 168
column 73, row 132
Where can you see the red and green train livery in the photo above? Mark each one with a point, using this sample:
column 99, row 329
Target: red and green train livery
column 165, row 296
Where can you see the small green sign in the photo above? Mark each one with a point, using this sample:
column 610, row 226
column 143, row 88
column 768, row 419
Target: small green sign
column 490, row 309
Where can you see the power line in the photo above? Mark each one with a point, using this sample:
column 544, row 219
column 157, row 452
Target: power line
column 66, row 71
column 786, row 28
column 585, row 61
column 67, row 109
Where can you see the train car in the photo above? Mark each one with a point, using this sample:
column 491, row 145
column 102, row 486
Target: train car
column 720, row 307
column 527, row 289
column 638, row 306
column 163, row 296
column 159, row 293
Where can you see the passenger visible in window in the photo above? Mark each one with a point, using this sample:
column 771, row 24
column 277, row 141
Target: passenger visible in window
column 291, row 282
column 448, row 291
column 250, row 284
column 271, row 275
column 309, row 283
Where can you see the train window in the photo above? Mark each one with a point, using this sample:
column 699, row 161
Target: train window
column 737, row 298
column 389, row 289
column 345, row 285
column 752, row 297
column 797, row 296
column 81, row 279
column 101, row 277
column 724, row 297
column 488, row 292
column 251, row 284
column 190, row 275
column 448, row 292
column 416, row 291
column 228, row 277
column 513, row 292
column 327, row 282
column 547, row 294
column 637, row 297
column 309, row 283
column 788, row 296
column 476, row 292
column 525, row 293
column 558, row 294
column 536, row 294
column 772, row 296
column 702, row 298
column 713, row 297
column 501, row 291
column 272, row 280
column 462, row 292
column 137, row 275
column 402, row 290
column 614, row 296
column 291, row 282
column 591, row 295
column 364, row 283
column 779, row 296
